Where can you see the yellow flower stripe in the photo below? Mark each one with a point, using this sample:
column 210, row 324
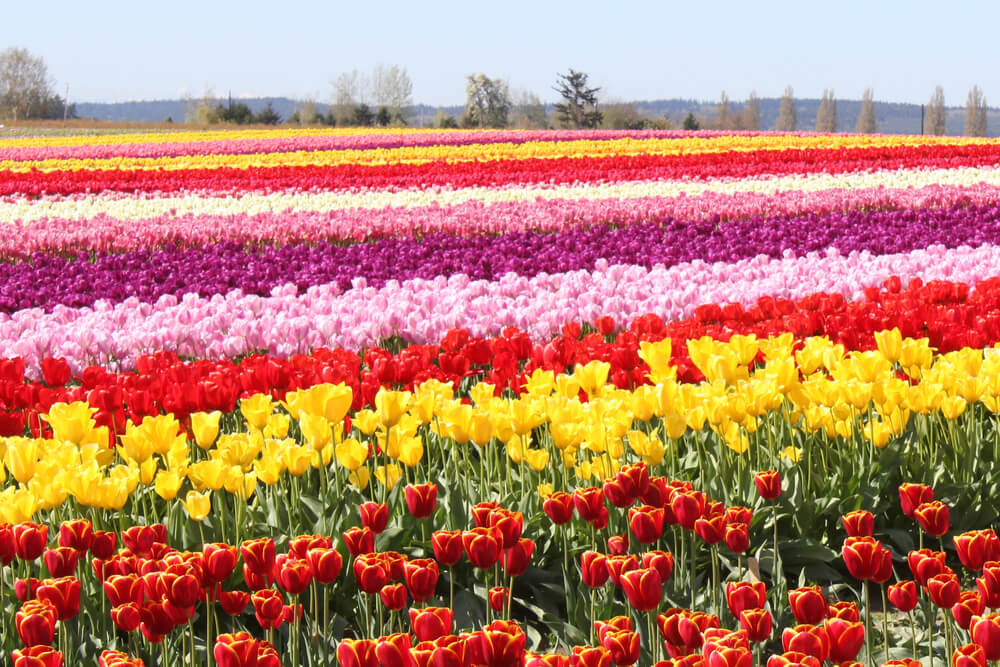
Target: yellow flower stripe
column 485, row 152
column 831, row 397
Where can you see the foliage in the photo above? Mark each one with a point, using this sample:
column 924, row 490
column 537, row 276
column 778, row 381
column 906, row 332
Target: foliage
column 579, row 106
column 975, row 113
column 787, row 120
column 866, row 119
column 826, row 116
column 935, row 120
column 487, row 102
column 690, row 122
column 26, row 89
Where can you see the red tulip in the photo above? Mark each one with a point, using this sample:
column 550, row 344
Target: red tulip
column 741, row 595
column 589, row 502
column 259, row 555
column 325, row 564
column 421, row 578
column 846, row 638
column 421, row 499
column 481, row 513
column 867, row 559
column 976, row 547
column 37, row 656
column 60, row 561
column 502, row 644
column 757, row 622
column 497, row 597
column 374, row 516
column 989, row 584
column 238, row 649
column 808, row 604
column 809, row 639
column 447, row 546
column 293, row 575
column 618, row 545
column 844, row 610
column 123, row 588
column 77, row 534
column 618, row 565
column 127, row 616
column 25, row 589
column 969, row 604
column 932, row 517
column 643, row 588
column 359, row 541
column 661, row 561
column 300, row 545
column 103, row 544
column 768, row 484
column 268, row 604
column 925, row 563
column 618, row 494
column 357, row 653
column 985, row 631
column 29, row 540
column 611, row 625
column 911, row 496
column 731, row 657
column 634, row 478
column 688, row 507
column 141, row 540
column 739, row 515
column 792, row 659
column 737, row 537
column 63, row 594
column 36, row 622
column 517, row 558
column 8, row 548
column 859, row 523
column 623, row 646
column 969, row 655
column 646, row 523
column 944, row 589
column 218, row 561
column 482, row 547
column 546, row 660
column 393, row 596
column 590, row 656
column 234, row 602
column 594, row 569
column 903, row 595
column 394, row 650
column 430, row 623
column 370, row 573
column 559, row 507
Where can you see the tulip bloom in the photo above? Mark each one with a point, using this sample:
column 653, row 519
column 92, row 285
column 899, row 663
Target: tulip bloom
column 237, row 649
column 932, row 517
column 741, row 595
column 911, row 496
column 60, row 561
column 969, row 604
column 374, row 516
column 497, row 597
column 394, row 650
column 430, row 623
column 357, row 653
column 618, row 565
column 976, row 547
column 421, row 499
column 903, row 595
column 259, row 555
column 737, row 537
column 447, row 545
column 809, row 639
column 63, row 594
column 218, row 561
column 643, row 588
column 559, row 507
column 859, row 523
column 969, row 655
column 867, row 559
column 846, row 638
column 325, row 563
column 234, row 602
column 29, row 540
column 768, row 484
column 808, row 604
column 482, row 547
column 359, row 541
column 758, row 624
column 985, row 631
column 845, row 610
column 590, row 656
column 944, row 589
column 517, row 558
column 661, row 561
column 594, row 569
column 646, row 523
column 792, row 659
column 77, row 534
column 36, row 622
column 293, row 575
column 37, row 656
column 589, row 502
column 421, row 578
column 925, row 563
column 393, row 596
column 623, row 645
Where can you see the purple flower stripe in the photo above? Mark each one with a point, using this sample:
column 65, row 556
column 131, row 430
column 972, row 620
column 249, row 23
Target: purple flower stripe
column 48, row 281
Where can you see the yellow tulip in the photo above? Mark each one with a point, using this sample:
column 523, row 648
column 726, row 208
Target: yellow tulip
column 514, row 449
column 592, row 376
column 147, row 470
column 388, row 476
column 71, row 422
column 915, row 356
column 329, row 401
column 359, row 478
column 17, row 505
column 525, row 415
column 351, row 454
column 544, row 490
column 257, row 410
column 315, row 430
column 538, row 459
column 297, row 459
column 21, row 458
column 277, row 426
column 268, row 469
column 322, row 458
column 952, row 407
column 168, row 483
column 482, row 393
column 890, row 344
column 792, row 454
column 366, row 421
column 206, row 427
column 198, row 505
column 207, row 474
column 135, row 444
column 422, row 406
column 657, row 356
column 247, row 488
column 391, row 406
column 163, row 431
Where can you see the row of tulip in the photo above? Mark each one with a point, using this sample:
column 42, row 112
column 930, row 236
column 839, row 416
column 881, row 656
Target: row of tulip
column 638, row 164
column 422, row 311
column 50, row 281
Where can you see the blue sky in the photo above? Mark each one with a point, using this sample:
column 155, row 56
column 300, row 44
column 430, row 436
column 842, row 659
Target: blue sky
column 136, row 49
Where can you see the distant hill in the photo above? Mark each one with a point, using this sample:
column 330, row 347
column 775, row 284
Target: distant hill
column 891, row 117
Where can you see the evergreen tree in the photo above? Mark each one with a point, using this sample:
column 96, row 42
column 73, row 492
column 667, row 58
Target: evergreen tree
column 826, row 116
column 579, row 106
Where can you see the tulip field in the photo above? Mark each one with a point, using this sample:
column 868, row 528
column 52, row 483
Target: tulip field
column 419, row 398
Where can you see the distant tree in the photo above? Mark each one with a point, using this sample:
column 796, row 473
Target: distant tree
column 25, row 87
column 362, row 116
column 623, row 116
column 383, row 117
column 826, row 116
column 444, row 120
column 866, row 119
column 266, row 116
column 935, row 121
column 308, row 115
column 349, row 90
column 787, row 120
column 751, row 112
column 975, row 113
column 392, row 88
column 579, row 106
column 528, row 111
column 238, row 114
column 690, row 122
column 722, row 119
column 487, row 102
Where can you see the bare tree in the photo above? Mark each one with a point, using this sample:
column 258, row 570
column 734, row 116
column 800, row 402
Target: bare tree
column 751, row 112
column 866, row 119
column 722, row 120
column 787, row 120
column 826, row 116
column 528, row 110
column 487, row 101
column 975, row 113
column 391, row 88
column 350, row 90
column 935, row 121
column 25, row 87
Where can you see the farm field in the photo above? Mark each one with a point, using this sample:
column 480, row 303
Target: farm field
column 462, row 398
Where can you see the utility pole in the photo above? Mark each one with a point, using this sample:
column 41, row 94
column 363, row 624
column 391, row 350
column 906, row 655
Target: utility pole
column 922, row 119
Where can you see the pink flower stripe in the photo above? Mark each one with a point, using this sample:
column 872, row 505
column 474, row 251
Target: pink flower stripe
column 104, row 233
column 422, row 311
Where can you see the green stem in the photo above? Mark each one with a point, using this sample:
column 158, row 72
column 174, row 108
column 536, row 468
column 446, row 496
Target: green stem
column 885, row 622
column 868, row 625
